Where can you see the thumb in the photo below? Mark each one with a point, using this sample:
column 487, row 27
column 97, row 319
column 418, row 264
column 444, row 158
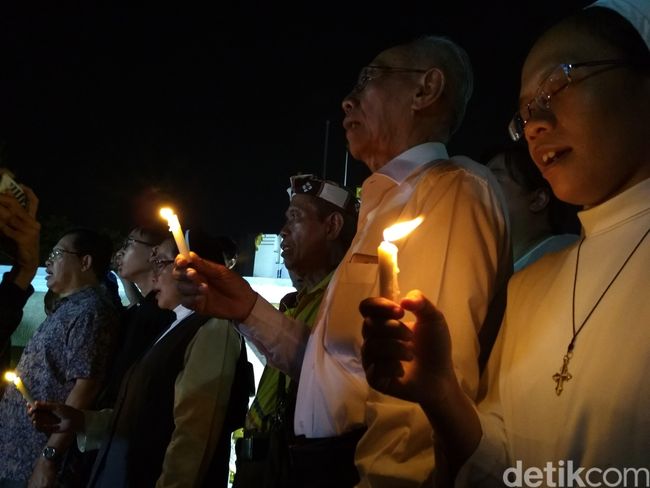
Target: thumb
column 204, row 266
column 425, row 311
column 39, row 405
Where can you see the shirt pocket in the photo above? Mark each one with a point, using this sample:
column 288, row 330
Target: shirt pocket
column 356, row 281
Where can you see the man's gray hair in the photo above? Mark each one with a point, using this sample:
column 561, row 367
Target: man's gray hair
column 443, row 53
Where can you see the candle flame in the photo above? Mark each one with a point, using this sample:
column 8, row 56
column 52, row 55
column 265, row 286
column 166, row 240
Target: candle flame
column 166, row 213
column 172, row 219
column 175, row 229
column 11, row 377
column 401, row 229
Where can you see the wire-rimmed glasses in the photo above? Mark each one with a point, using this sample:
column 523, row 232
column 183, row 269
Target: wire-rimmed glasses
column 557, row 81
column 370, row 72
column 57, row 252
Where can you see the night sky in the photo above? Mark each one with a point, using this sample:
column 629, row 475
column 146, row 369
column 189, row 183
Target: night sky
column 221, row 104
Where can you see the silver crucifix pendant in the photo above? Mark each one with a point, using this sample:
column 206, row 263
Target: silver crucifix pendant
column 563, row 374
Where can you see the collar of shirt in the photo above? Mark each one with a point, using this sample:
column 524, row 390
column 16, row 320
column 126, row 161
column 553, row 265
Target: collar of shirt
column 632, row 202
column 399, row 168
column 181, row 314
column 76, row 296
column 322, row 284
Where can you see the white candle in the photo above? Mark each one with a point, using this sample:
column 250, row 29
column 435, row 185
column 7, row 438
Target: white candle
column 175, row 229
column 12, row 377
column 387, row 258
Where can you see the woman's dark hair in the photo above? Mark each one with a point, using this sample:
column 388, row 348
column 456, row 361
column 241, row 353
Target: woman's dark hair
column 562, row 216
column 522, row 169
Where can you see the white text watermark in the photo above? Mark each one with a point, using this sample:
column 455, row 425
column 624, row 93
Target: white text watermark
column 564, row 474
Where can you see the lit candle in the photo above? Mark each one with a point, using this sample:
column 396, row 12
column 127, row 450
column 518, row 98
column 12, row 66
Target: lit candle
column 12, row 377
column 387, row 257
column 175, row 229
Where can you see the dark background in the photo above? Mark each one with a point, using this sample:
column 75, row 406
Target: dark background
column 219, row 105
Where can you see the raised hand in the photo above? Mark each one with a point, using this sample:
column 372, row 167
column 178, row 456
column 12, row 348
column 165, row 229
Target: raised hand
column 412, row 361
column 20, row 225
column 213, row 289
column 408, row 360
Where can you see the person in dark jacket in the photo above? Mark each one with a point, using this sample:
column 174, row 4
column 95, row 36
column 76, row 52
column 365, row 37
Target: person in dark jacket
column 177, row 405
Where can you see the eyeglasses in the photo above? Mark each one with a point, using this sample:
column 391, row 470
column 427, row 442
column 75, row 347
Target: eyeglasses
column 160, row 264
column 557, row 81
column 369, row 73
column 130, row 240
column 57, row 252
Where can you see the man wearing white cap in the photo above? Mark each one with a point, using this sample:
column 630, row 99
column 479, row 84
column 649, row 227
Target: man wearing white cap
column 320, row 223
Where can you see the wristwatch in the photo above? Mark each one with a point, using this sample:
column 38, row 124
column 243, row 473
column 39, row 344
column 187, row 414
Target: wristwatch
column 51, row 454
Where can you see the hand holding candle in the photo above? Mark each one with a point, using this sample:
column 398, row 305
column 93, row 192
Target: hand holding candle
column 12, row 377
column 387, row 257
column 175, row 229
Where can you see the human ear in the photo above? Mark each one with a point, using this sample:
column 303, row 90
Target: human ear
column 86, row 262
column 539, row 200
column 432, row 85
column 334, row 224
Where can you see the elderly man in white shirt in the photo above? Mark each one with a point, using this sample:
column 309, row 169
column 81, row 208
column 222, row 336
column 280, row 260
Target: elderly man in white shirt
column 404, row 108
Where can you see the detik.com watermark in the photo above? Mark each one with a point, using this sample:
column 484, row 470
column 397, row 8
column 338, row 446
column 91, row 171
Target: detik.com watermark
column 564, row 474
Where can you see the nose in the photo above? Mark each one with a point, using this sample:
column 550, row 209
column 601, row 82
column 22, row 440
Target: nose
column 540, row 122
column 283, row 231
column 48, row 262
column 348, row 103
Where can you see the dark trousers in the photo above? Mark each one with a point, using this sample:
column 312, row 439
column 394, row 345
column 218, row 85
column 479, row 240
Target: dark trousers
column 263, row 461
column 325, row 462
column 271, row 461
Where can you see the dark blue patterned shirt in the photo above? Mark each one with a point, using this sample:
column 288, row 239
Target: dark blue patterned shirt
column 76, row 341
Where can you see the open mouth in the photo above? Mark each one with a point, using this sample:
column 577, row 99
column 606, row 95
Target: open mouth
column 552, row 156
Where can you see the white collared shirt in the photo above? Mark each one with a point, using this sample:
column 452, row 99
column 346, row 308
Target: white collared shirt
column 459, row 257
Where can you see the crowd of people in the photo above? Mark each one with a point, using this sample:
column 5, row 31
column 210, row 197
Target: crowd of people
column 476, row 377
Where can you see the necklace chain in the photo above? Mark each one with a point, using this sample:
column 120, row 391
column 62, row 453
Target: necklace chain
column 564, row 375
